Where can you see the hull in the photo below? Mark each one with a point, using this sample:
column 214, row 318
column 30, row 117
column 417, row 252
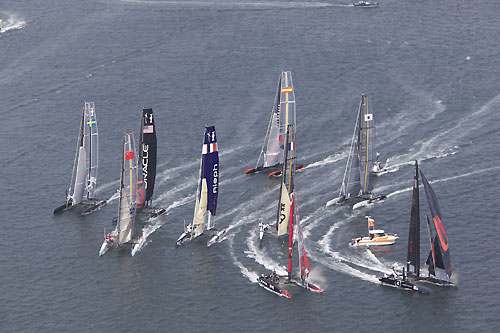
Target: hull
column 62, row 208
column 436, row 282
column 398, row 283
column 261, row 168
column 277, row 173
column 95, row 207
column 377, row 241
column 219, row 237
column 310, row 286
column 272, row 286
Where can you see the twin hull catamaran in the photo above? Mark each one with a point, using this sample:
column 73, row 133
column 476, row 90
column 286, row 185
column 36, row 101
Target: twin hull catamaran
column 83, row 182
column 288, row 214
column 127, row 205
column 438, row 261
column 282, row 114
column 206, row 194
column 356, row 184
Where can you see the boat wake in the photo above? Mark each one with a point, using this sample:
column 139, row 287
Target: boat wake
column 153, row 224
column 12, row 23
column 260, row 257
column 328, row 160
column 237, row 5
column 252, row 276
column 341, row 263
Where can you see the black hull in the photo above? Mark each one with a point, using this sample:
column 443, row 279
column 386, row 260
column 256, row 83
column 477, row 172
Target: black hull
column 96, row 207
column 398, row 283
column 261, row 168
column 277, row 173
column 434, row 281
column 269, row 284
column 62, row 208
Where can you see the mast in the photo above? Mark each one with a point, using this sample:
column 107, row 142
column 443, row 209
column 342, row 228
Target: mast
column 141, row 187
column 75, row 161
column 413, row 258
column 122, row 192
column 283, row 202
column 291, row 190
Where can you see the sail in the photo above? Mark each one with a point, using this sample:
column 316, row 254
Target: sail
column 147, row 158
column 287, row 182
column 365, row 143
column 441, row 241
column 81, row 175
column 200, row 210
column 413, row 257
column 304, row 267
column 86, row 157
column 208, row 187
column 284, row 211
column 90, row 138
column 351, row 183
column 287, row 103
column 128, row 190
column 431, row 257
column 274, row 153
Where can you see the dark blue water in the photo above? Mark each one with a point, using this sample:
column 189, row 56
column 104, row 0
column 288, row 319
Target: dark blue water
column 430, row 68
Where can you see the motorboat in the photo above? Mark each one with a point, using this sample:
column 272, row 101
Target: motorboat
column 376, row 236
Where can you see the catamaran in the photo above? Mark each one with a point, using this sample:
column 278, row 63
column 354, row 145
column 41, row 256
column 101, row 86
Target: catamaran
column 376, row 236
column 147, row 166
column 288, row 214
column 83, row 183
column 206, row 193
column 356, row 185
column 438, row 260
column 282, row 114
column 127, row 205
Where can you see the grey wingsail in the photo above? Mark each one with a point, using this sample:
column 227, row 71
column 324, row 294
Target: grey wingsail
column 282, row 115
column 127, row 205
column 356, row 184
column 84, row 175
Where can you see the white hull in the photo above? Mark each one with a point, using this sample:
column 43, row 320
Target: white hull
column 332, row 202
column 104, row 247
column 372, row 243
column 219, row 237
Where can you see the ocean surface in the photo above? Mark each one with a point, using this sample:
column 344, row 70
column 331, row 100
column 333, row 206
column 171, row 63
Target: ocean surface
column 431, row 69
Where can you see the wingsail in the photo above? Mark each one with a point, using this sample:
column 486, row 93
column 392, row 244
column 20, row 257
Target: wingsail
column 84, row 175
column 208, row 189
column 441, row 245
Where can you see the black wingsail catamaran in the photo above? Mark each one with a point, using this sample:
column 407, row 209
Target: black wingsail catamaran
column 147, row 166
column 356, row 185
column 288, row 214
column 206, row 194
column 83, row 183
column 127, row 206
column 438, row 260
column 282, row 114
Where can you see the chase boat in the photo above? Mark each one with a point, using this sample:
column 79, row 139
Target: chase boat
column 376, row 237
